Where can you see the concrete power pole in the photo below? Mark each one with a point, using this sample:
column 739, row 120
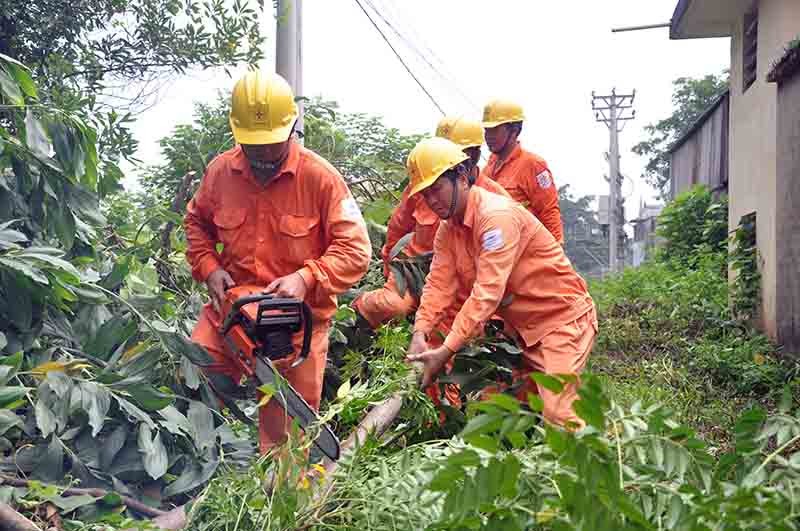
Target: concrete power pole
column 611, row 111
column 289, row 49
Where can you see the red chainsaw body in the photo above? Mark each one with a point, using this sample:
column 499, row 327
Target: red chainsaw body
column 260, row 325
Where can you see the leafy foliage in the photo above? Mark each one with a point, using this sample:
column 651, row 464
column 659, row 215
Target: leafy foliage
column 693, row 224
column 90, row 385
column 690, row 98
column 746, row 289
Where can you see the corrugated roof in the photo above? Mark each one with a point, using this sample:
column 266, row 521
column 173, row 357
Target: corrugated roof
column 699, row 122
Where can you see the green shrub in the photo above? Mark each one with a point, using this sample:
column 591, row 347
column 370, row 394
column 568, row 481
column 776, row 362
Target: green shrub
column 694, row 221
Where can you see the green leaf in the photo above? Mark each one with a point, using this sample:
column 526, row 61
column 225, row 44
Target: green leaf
column 8, row 420
column 67, row 504
column 191, row 374
column 148, row 397
column 112, row 445
column 786, row 400
column 154, row 454
column 51, row 461
column 505, row 401
column 62, row 222
column 96, row 403
column 52, row 258
column 202, row 422
column 194, row 476
column 23, row 78
column 401, row 244
column 343, row 390
column 176, row 422
column 399, row 278
column 45, row 418
column 511, row 470
column 10, row 394
column 134, row 411
column 27, row 269
column 112, row 334
column 674, row 512
column 550, row 383
column 10, row 89
column 535, row 402
column 17, row 289
column 36, row 136
column 482, row 424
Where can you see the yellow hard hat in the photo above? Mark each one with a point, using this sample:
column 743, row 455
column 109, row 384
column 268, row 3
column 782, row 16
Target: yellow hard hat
column 463, row 132
column 263, row 110
column 499, row 112
column 445, row 125
column 429, row 159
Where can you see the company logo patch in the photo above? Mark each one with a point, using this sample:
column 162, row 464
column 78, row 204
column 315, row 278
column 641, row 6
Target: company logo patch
column 350, row 208
column 492, row 240
column 544, row 179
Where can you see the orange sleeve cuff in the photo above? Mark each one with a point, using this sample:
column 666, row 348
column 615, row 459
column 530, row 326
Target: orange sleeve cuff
column 207, row 265
column 454, row 342
column 308, row 277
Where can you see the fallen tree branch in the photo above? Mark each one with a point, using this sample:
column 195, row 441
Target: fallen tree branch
column 11, row 520
column 131, row 503
column 376, row 422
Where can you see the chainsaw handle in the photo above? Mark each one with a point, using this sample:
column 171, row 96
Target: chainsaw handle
column 307, row 329
column 230, row 319
column 305, row 348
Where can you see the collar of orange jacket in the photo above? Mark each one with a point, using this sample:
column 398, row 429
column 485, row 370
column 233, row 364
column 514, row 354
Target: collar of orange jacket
column 472, row 205
column 290, row 165
column 495, row 163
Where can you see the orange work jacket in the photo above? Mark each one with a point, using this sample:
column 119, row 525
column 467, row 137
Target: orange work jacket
column 502, row 260
column 528, row 180
column 303, row 220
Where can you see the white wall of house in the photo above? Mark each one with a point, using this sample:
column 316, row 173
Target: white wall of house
column 753, row 137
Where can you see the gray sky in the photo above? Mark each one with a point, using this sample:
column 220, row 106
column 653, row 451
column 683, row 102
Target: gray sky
column 548, row 55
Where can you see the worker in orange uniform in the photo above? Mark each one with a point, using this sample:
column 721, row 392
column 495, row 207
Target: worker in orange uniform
column 523, row 174
column 412, row 215
column 494, row 255
column 286, row 220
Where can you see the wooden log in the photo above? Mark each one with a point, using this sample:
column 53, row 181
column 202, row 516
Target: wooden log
column 11, row 520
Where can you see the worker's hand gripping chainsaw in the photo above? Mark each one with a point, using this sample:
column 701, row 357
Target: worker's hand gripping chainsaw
column 258, row 329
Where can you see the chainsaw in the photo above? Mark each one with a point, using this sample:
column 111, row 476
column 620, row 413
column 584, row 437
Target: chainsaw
column 258, row 330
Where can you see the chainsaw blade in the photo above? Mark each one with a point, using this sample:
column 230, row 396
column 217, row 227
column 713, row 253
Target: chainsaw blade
column 297, row 408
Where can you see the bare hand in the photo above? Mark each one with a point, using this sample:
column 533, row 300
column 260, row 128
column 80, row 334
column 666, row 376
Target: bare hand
column 418, row 344
column 292, row 286
column 217, row 282
column 432, row 361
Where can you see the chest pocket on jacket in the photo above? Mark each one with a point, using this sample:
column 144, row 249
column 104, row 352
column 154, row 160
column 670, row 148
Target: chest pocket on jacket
column 230, row 227
column 301, row 238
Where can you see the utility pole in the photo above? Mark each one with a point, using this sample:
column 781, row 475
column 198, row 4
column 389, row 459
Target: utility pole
column 611, row 110
column 289, row 49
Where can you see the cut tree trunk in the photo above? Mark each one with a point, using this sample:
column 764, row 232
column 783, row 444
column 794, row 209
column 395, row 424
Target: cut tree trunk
column 11, row 520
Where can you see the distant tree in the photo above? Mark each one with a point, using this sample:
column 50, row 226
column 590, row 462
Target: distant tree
column 690, row 98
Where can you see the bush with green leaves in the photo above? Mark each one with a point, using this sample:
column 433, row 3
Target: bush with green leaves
column 693, row 223
column 99, row 384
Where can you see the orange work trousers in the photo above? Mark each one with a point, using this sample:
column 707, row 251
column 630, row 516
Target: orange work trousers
column 381, row 305
column 565, row 350
column 306, row 378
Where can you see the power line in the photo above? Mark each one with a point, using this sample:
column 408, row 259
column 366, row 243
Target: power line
column 448, row 80
column 399, row 58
